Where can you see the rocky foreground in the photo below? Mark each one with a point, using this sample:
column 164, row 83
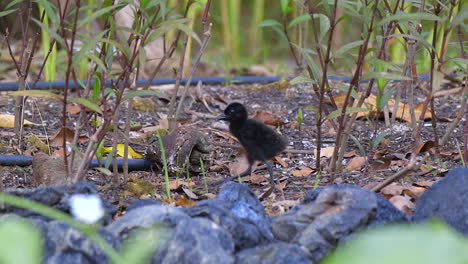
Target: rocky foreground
column 234, row 228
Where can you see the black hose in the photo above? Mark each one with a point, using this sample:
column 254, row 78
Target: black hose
column 13, row 86
column 133, row 164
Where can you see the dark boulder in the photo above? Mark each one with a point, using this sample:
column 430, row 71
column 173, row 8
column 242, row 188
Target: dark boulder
column 275, row 253
column 447, row 199
column 57, row 197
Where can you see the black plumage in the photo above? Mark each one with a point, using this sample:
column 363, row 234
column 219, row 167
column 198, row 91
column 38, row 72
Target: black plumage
column 260, row 141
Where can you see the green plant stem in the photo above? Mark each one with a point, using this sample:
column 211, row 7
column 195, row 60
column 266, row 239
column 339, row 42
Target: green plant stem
column 202, row 165
column 166, row 171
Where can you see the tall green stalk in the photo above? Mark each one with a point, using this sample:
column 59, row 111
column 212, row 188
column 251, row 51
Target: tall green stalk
column 50, row 67
column 234, row 20
column 256, row 33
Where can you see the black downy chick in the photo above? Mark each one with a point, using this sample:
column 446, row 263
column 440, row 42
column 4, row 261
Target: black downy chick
column 261, row 142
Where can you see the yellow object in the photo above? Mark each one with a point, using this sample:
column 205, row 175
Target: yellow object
column 8, row 121
column 132, row 154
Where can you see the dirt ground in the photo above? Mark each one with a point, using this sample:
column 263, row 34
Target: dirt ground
column 295, row 170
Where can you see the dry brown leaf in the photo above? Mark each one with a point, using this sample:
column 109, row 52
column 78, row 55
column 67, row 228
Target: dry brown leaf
column 59, row 152
column 74, row 109
column 189, row 193
column 414, row 191
column 350, row 154
column 426, row 146
column 393, row 190
column 184, row 202
column 403, row 112
column 259, row 70
column 424, row 183
column 403, row 204
column 282, row 185
column 240, row 164
column 57, row 139
column 174, row 184
column 356, row 163
column 302, row 173
column 325, row 152
column 371, row 185
column 381, row 160
column 286, row 203
column 268, row 118
column 282, row 162
column 256, row 179
column 7, row 133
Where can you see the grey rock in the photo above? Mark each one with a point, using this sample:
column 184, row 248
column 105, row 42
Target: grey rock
column 242, row 201
column 333, row 215
column 147, row 217
column 245, row 233
column 386, row 212
column 143, row 202
column 275, row 253
column 198, row 241
column 447, row 199
column 57, row 197
column 67, row 245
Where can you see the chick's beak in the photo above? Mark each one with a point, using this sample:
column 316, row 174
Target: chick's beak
column 222, row 117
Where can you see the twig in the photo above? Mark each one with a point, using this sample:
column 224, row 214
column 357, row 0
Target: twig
column 206, row 40
column 397, row 175
column 461, row 112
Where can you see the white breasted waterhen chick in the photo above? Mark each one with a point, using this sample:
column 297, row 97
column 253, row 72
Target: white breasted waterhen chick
column 260, row 141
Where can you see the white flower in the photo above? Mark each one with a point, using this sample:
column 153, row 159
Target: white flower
column 86, row 207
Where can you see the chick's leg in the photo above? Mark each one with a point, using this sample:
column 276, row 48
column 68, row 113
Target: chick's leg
column 270, row 170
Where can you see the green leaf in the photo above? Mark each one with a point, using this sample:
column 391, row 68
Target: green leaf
column 187, row 30
column 300, row 116
column 12, row 3
column 269, row 23
column 311, row 63
column 298, row 20
column 96, row 88
column 116, row 45
column 460, row 17
column 324, row 25
column 88, row 47
column 98, row 14
column 285, row 7
column 51, row 32
column 419, row 243
column 50, row 10
column 343, row 50
column 379, row 138
column 301, row 80
column 379, row 67
column 400, row 16
column 310, row 108
column 385, row 75
column 281, row 33
column 96, row 60
column 7, row 12
column 362, row 151
column 349, row 110
column 20, row 242
column 383, row 101
column 85, row 102
column 132, row 94
column 37, row 93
